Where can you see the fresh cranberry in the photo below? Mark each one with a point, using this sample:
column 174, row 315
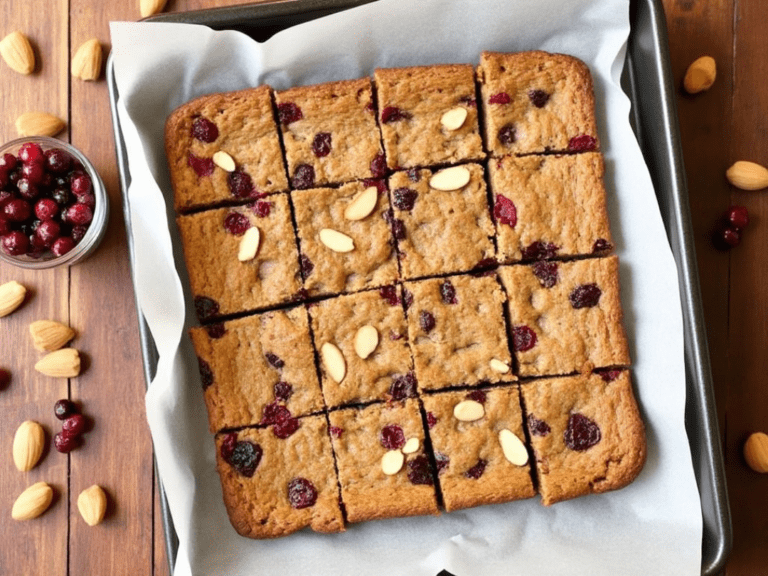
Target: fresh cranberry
column 336, row 432
column 468, row 101
column 57, row 161
column 477, row 470
column 581, row 433
column 262, row 208
column 236, row 223
column 15, row 243
column 30, row 152
column 303, row 177
column 274, row 360
column 7, row 162
column 74, row 425
column 5, row 377
column 47, row 182
column 284, row 428
column 537, row 427
column 403, row 387
column 216, row 331
column 738, row 216
column 46, row 208
column 5, row 226
column 504, row 211
column 582, row 143
column 523, row 338
column 426, row 321
column 507, row 135
column 393, row 114
column 441, row 462
column 33, row 172
column 62, row 245
column 301, row 493
column 48, row 231
column 80, row 184
column 61, row 196
column 500, row 98
column 730, row 237
column 540, row 251
column 321, row 145
column 404, row 198
column 64, row 443
column 539, row 98
column 546, row 272
column 274, row 413
column 27, row 189
column 14, row 176
column 585, row 296
column 240, row 184
column 609, row 375
column 448, row 292
column 4, row 179
column 389, row 293
column 79, row 214
column 245, row 458
column 419, row 471
column 601, row 245
column 87, row 200
column 202, row 166
column 289, row 112
column 306, row 266
column 392, row 437
column 206, row 307
column 407, row 299
column 228, row 446
column 283, row 391
column 378, row 166
column 204, row 130
column 477, row 396
column 5, row 197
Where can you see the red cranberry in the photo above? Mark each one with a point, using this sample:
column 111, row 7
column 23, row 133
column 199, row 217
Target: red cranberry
column 274, row 360
column 397, row 225
column 379, row 183
column 419, row 471
column 206, row 373
column 303, row 177
column 537, row 427
column 392, row 437
column 738, row 216
column 540, row 251
column 228, row 446
column 289, row 112
column 306, row 267
column 61, row 196
column 609, row 375
column 546, row 272
column 216, row 331
column 206, row 307
column 87, row 200
column 46, row 208
column 204, row 130
column 336, row 432
column 30, row 152
column 426, row 321
column 500, row 98
column 74, row 425
column 62, row 245
column 15, row 243
column 284, row 428
column 236, row 223
column 245, row 458
column 202, row 166
column 504, row 211
column 379, row 166
column 482, row 268
column 5, row 197
column 27, row 189
column 240, row 184
column 64, row 408
column 407, row 299
column 48, row 231
column 393, row 114
column 57, row 161
column 17, row 210
column 274, row 413
column 582, row 143
column 507, row 135
column 301, row 493
column 431, row 420
column 262, row 208
column 441, row 462
column 403, row 387
column 5, row 226
column 404, row 198
column 5, row 378
column 321, row 145
column 730, row 237
column 601, row 245
column 585, row 296
column 64, row 443
column 283, row 391
column 448, row 292
column 539, row 98
column 33, row 172
column 79, row 214
column 7, row 162
column 80, row 183
column 477, row 470
column 523, row 338
column 469, row 101
column 4, row 179
column 581, row 433
column 78, row 233
column 477, row 396
column 389, row 293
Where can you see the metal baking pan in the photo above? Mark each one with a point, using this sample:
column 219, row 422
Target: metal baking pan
column 647, row 79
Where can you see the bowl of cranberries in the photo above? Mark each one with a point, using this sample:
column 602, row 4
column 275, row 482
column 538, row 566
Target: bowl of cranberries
column 53, row 206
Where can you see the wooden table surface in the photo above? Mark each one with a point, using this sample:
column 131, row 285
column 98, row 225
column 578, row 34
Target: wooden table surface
column 726, row 124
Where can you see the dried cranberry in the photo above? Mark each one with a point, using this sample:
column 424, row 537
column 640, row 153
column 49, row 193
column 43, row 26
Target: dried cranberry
column 245, row 458
column 336, row 432
column 477, row 396
column 507, row 135
column 738, row 216
column 477, row 470
column 204, row 130
column 540, row 251
column 398, row 229
column 601, row 245
column 236, row 223
column 403, row 387
column 284, row 428
column 64, row 443
column 306, row 266
column 581, row 433
column 469, row 101
column 228, row 446
column 46, row 208
column 321, row 145
column 582, row 143
column 413, row 175
column 379, row 183
column 301, row 493
column 379, row 166
column 283, row 391
column 546, row 272
column 289, row 112
column 74, row 425
column 392, row 437
column 585, row 296
column 80, row 183
column 431, row 420
column 441, row 462
column 79, row 214
column 609, row 375
column 419, row 471
column 407, row 298
column 206, row 374
column 392, row 114
column 30, row 152
column 17, row 210
column 537, row 427
column 64, row 408
column 500, row 98
column 15, row 243
column 202, row 166
column 262, row 208
column 426, row 321
column 481, row 268
column 206, row 307
column 539, row 98
column 523, row 338
column 389, row 293
column 48, row 231
column 404, row 198
column 57, row 161
column 504, row 211
column 216, row 331
column 303, row 177
column 32, row 172
column 448, row 292
column 274, row 360
column 240, row 184
column 62, row 245
column 274, row 413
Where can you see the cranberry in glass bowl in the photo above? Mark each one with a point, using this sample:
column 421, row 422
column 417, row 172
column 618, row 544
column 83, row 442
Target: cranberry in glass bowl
column 53, row 205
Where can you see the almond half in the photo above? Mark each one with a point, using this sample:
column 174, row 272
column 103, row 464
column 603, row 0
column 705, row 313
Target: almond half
column 334, row 362
column 366, row 340
column 249, row 245
column 17, row 52
column 498, row 366
column 224, row 161
column 392, row 462
column 11, row 297
column 28, row 444
column 32, row 502
column 63, row 363
column 513, row 448
column 453, row 178
column 468, row 411
column 362, row 204
column 454, row 118
column 92, row 504
column 48, row 335
column 86, row 63
column 336, row 241
column 39, row 124
column 410, row 446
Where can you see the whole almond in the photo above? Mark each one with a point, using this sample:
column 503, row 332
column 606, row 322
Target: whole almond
column 17, row 52
column 747, row 175
column 86, row 63
column 92, row 504
column 11, row 296
column 63, row 363
column 756, row 452
column 32, row 502
column 28, row 444
column 49, row 335
column 39, row 124
column 150, row 7
column 700, row 75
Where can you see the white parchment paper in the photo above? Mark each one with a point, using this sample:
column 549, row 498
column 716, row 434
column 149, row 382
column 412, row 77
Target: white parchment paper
column 651, row 527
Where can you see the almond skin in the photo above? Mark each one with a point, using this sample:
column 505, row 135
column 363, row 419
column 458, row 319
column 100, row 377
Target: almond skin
column 86, row 63
column 49, row 336
column 17, row 52
column 28, row 444
column 39, row 124
column 92, row 504
column 32, row 502
column 11, row 297
column 63, row 363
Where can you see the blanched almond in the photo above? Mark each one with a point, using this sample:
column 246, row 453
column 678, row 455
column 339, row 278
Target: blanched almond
column 392, row 462
column 411, row 446
column 499, row 366
column 468, row 411
column 453, row 178
column 513, row 448
column 362, row 204
column 366, row 340
column 224, row 161
column 334, row 362
column 454, row 118
column 336, row 241
column 249, row 245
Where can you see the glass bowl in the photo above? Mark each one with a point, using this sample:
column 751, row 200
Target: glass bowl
column 97, row 226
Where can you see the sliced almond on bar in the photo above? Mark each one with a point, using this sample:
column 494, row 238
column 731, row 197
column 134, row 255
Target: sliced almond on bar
column 454, row 118
column 362, row 204
column 499, row 366
column 336, row 241
column 224, row 161
column 513, row 448
column 249, row 245
column 334, row 362
column 366, row 340
column 453, row 178
column 392, row 462
column 411, row 446
column 468, row 411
